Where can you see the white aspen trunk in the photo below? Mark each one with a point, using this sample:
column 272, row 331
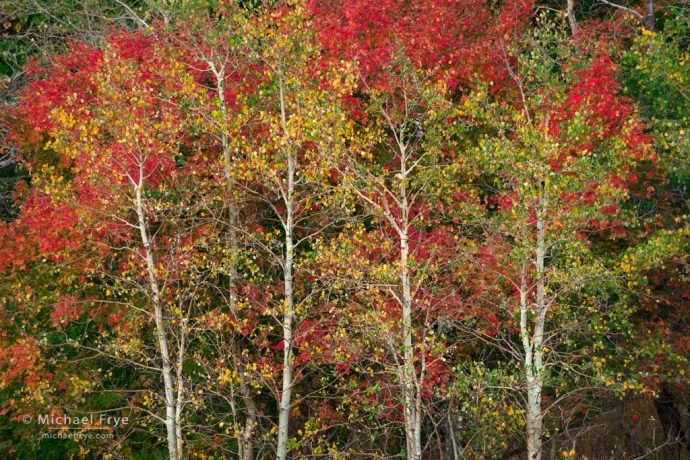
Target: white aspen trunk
column 533, row 416
column 168, row 381
column 179, row 375
column 412, row 415
column 412, row 398
column 180, row 387
column 418, row 424
column 289, row 307
column 534, row 365
column 286, row 394
column 649, row 22
column 572, row 21
column 245, row 442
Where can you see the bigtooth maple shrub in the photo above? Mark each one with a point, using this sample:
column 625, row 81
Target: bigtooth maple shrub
column 454, row 40
column 43, row 265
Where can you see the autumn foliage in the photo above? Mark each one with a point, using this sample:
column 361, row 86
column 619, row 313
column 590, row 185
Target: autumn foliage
column 353, row 229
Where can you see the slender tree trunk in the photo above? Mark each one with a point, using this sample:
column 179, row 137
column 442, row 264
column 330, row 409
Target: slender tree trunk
column 179, row 407
column 533, row 414
column 649, row 21
column 532, row 419
column 572, row 20
column 246, row 441
column 412, row 400
column 533, row 343
column 170, row 405
column 289, row 307
column 412, row 412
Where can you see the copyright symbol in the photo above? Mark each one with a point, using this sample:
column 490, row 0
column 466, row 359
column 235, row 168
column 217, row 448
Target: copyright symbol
column 26, row 419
